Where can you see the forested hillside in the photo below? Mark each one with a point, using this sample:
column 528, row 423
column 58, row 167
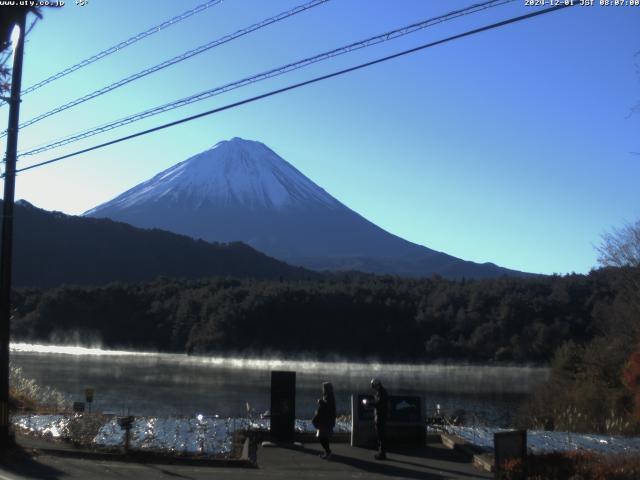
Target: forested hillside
column 505, row 320
column 51, row 249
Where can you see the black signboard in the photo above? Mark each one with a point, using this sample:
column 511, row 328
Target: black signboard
column 405, row 422
column 126, row 422
column 405, row 409
column 283, row 406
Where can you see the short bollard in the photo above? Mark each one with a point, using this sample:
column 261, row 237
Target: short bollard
column 510, row 446
column 126, row 423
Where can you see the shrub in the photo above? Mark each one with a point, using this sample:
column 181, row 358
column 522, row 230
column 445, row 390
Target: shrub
column 573, row 466
column 631, row 379
column 27, row 395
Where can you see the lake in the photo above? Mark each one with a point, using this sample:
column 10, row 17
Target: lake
column 140, row 383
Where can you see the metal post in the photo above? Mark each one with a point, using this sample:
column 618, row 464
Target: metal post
column 6, row 438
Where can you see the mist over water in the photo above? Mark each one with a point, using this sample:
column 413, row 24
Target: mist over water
column 145, row 383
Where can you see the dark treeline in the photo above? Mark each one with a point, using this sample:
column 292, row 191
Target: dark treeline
column 500, row 320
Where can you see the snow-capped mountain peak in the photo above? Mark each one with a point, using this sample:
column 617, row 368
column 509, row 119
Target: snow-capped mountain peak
column 232, row 171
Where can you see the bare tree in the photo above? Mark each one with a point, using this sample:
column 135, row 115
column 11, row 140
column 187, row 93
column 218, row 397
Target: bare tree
column 4, row 74
column 621, row 247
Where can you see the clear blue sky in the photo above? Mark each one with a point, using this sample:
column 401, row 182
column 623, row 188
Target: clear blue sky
column 513, row 146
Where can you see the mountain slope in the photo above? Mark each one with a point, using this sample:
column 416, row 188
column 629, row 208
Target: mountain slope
column 241, row 190
column 51, row 249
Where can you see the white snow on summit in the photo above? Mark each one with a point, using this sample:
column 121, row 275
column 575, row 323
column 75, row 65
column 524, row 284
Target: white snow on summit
column 235, row 170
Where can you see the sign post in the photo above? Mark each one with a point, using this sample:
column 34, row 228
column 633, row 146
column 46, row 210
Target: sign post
column 88, row 396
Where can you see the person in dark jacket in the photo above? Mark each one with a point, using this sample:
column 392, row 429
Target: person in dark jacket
column 325, row 418
column 381, row 405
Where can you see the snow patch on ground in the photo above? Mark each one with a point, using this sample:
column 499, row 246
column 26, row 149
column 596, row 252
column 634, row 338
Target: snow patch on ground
column 213, row 436
column 193, row 436
column 52, row 426
column 546, row 442
column 200, row 435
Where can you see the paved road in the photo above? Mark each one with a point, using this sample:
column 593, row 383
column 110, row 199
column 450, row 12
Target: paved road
column 433, row 462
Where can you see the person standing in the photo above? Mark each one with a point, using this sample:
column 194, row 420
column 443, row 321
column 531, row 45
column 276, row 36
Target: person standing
column 380, row 404
column 324, row 419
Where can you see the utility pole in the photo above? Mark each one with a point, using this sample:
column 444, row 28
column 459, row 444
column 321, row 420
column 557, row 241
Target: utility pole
column 6, row 437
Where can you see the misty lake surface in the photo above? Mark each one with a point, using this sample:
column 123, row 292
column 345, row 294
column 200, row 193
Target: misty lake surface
column 159, row 384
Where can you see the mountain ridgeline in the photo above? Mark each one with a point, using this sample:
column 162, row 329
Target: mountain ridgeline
column 241, row 190
column 51, row 248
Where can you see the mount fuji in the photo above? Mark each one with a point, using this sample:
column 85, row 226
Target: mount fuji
column 240, row 190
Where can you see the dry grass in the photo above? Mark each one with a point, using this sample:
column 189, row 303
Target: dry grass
column 27, row 396
column 573, row 466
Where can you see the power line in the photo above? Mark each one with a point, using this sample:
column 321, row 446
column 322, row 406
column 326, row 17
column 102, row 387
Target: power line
column 301, row 84
column 268, row 74
column 121, row 45
column 174, row 60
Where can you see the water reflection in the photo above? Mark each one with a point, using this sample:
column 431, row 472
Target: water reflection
column 169, row 384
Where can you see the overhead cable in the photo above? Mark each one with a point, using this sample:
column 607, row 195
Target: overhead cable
column 298, row 85
column 174, row 60
column 123, row 44
column 266, row 75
